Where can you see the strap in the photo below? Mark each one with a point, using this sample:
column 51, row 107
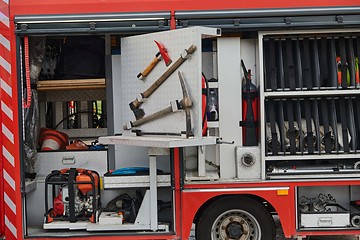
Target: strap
column 248, row 124
column 351, row 122
column 315, row 63
column 280, row 64
column 271, row 66
column 343, row 65
column 324, row 72
column 309, row 131
column 344, row 124
column 280, row 118
column 298, row 70
column 333, row 70
column 357, row 115
column 274, row 146
column 325, row 118
column 290, row 70
column 351, row 60
column 306, row 64
column 291, row 132
column 357, row 74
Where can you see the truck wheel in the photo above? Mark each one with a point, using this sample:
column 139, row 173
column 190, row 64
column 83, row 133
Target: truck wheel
column 235, row 217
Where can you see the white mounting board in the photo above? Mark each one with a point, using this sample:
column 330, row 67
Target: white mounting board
column 157, row 142
column 137, row 52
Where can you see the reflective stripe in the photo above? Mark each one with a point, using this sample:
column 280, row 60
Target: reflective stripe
column 9, row 180
column 6, row 110
column 5, row 64
column 6, row 87
column 8, row 156
column 4, row 19
column 8, row 133
column 4, row 42
column 10, row 226
column 10, row 203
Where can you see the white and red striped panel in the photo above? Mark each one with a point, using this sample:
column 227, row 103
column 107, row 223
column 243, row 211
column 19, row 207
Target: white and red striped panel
column 11, row 198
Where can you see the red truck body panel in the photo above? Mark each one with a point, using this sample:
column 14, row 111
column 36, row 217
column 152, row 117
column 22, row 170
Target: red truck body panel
column 187, row 201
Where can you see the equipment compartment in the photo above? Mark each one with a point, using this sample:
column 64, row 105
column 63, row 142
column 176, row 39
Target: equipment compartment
column 311, row 92
column 335, row 216
column 50, row 160
column 324, row 207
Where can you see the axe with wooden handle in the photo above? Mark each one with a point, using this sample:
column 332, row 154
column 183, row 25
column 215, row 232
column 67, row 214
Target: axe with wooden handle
column 134, row 105
column 162, row 54
column 184, row 104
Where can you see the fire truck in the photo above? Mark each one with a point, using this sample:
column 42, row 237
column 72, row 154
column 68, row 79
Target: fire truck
column 154, row 119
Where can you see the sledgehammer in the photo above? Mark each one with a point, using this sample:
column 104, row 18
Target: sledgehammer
column 134, row 105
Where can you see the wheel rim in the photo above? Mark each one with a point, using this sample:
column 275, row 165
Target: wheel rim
column 235, row 224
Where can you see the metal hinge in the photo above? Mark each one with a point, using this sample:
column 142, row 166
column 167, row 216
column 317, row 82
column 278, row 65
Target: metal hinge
column 92, row 25
column 236, row 22
column 339, row 19
column 287, row 20
column 185, row 23
column 23, row 27
column 161, row 24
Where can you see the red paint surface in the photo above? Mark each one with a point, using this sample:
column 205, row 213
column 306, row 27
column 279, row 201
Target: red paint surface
column 24, row 7
column 187, row 203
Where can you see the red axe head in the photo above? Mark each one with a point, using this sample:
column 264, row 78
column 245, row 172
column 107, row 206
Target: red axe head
column 164, row 53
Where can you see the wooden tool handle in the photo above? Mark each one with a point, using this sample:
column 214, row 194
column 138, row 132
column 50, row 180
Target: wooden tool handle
column 135, row 104
column 168, row 72
column 149, row 68
column 152, row 117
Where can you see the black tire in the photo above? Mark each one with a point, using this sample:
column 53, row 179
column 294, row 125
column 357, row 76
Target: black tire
column 235, row 217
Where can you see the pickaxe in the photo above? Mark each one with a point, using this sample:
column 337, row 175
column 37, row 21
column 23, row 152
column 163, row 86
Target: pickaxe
column 161, row 54
column 184, row 104
column 134, row 105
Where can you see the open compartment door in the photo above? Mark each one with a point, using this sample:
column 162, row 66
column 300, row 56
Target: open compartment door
column 154, row 104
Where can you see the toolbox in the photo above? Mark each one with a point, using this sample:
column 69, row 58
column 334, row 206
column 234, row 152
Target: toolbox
column 334, row 216
column 50, row 160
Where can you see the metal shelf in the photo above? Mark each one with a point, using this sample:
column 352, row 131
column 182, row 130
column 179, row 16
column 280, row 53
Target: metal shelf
column 313, row 93
column 310, row 157
column 157, row 142
column 116, row 182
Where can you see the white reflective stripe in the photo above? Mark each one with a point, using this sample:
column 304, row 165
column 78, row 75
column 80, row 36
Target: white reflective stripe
column 10, row 203
column 8, row 156
column 237, row 189
column 10, row 226
column 9, row 180
column 7, row 110
column 6, row 87
column 4, row 19
column 6, row 1
column 4, row 42
column 5, row 64
column 8, row 133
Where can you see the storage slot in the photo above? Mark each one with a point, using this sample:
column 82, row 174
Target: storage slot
column 307, row 125
column 304, row 62
column 312, row 168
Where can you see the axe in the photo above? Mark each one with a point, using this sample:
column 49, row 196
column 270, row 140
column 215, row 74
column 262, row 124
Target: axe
column 134, row 105
column 161, row 54
column 183, row 104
